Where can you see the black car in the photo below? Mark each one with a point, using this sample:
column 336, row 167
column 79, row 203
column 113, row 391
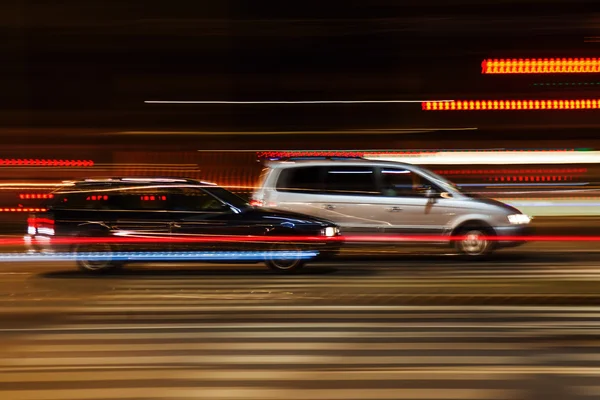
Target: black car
column 105, row 222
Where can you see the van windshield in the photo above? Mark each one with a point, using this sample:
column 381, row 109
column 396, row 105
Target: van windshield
column 444, row 180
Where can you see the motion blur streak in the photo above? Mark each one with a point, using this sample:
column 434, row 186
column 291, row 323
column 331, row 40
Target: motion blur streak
column 492, row 157
column 290, row 102
column 45, row 163
column 540, row 66
column 454, row 157
column 496, row 105
column 299, row 239
column 161, row 256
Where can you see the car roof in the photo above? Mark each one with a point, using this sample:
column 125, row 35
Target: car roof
column 98, row 182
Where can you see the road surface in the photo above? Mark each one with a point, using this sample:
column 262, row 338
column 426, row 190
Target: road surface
column 524, row 326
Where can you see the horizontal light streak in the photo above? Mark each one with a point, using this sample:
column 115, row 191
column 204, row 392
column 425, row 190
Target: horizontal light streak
column 492, row 158
column 26, row 196
column 56, row 241
column 540, row 66
column 499, row 105
column 286, row 102
column 21, row 209
column 161, row 256
column 45, row 162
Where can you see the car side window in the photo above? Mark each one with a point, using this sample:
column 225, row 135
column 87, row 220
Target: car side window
column 192, row 199
column 351, row 180
column 397, row 182
column 300, row 179
column 139, row 198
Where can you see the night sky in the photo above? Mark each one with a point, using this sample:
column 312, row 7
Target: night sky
column 92, row 64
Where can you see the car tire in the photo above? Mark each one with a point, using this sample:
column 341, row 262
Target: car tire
column 286, row 265
column 474, row 245
column 86, row 262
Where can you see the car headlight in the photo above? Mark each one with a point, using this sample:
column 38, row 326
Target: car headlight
column 519, row 219
column 330, row 231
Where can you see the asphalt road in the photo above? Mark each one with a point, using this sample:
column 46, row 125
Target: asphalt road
column 522, row 326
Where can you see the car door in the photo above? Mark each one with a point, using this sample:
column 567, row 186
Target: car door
column 138, row 212
column 412, row 204
column 197, row 215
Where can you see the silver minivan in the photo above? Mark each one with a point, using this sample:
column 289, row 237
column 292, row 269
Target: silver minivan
column 365, row 196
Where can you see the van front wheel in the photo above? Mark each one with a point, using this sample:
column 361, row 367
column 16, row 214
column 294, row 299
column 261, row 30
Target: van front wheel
column 474, row 242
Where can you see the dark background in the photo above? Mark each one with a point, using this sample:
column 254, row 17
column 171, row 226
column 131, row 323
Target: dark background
column 75, row 69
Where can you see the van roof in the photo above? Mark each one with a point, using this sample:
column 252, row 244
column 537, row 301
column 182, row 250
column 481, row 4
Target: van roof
column 348, row 161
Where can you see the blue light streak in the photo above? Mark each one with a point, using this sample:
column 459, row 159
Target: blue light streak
column 162, row 256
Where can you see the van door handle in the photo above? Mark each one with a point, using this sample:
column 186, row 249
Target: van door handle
column 394, row 209
column 329, row 207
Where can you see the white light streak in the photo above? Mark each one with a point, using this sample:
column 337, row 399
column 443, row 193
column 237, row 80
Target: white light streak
column 291, row 102
column 493, row 158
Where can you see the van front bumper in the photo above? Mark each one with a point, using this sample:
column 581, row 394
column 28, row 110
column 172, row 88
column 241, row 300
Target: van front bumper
column 513, row 236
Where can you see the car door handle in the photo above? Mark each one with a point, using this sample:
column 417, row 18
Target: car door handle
column 329, row 207
column 394, row 209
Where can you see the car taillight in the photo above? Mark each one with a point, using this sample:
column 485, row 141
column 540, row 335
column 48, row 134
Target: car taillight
column 41, row 226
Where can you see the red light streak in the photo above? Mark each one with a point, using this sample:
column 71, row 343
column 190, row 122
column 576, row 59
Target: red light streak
column 22, row 209
column 95, row 198
column 153, row 198
column 302, row 239
column 349, row 153
column 27, row 196
column 540, row 66
column 512, row 171
column 34, row 162
column 496, row 105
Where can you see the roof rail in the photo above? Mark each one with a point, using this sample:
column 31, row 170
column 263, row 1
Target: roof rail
column 309, row 155
column 313, row 158
column 146, row 179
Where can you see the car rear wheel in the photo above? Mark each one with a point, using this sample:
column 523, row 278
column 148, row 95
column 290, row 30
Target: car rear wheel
column 285, row 258
column 96, row 258
column 474, row 242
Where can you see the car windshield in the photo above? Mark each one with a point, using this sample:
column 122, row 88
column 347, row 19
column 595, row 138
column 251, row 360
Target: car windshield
column 227, row 196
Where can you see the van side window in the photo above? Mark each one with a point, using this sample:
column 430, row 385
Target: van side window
column 301, row 179
column 351, row 180
column 397, row 182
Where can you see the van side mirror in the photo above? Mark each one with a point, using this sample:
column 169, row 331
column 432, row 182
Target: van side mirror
column 427, row 191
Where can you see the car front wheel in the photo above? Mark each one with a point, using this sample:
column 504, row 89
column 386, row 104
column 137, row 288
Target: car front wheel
column 285, row 258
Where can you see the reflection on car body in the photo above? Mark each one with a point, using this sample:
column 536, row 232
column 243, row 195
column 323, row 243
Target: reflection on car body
column 389, row 197
column 168, row 211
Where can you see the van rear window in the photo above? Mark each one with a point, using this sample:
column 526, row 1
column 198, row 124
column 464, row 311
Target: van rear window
column 301, row 179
